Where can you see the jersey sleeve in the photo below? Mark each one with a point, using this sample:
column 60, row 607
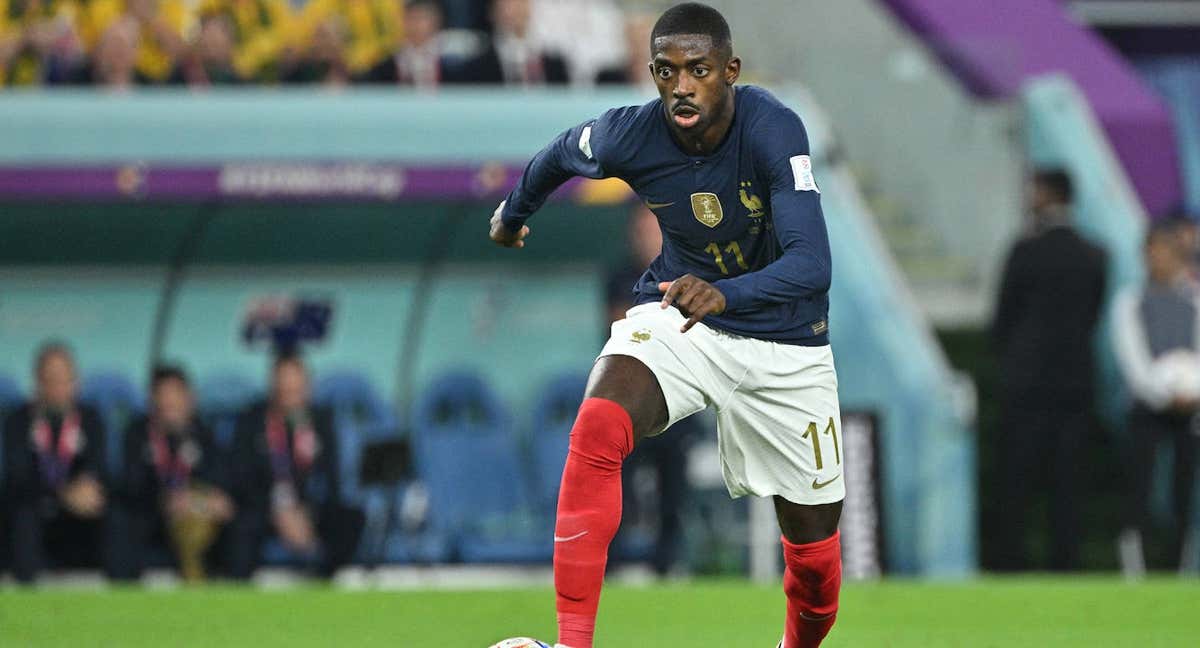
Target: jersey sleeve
column 575, row 152
column 803, row 270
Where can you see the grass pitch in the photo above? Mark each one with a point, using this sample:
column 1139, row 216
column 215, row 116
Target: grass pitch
column 1087, row 612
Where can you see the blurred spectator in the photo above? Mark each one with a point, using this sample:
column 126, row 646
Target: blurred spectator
column 419, row 61
column 469, row 15
column 170, row 492
column 635, row 66
column 241, row 40
column 285, row 480
column 211, row 59
column 114, row 59
column 588, row 33
column 349, row 36
column 157, row 27
column 39, row 41
column 1050, row 298
column 514, row 57
column 322, row 59
column 1156, row 334
column 53, row 491
column 664, row 455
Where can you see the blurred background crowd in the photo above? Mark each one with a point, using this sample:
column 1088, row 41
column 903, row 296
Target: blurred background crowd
column 421, row 43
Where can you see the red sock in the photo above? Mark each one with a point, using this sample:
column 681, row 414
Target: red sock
column 589, row 512
column 811, row 581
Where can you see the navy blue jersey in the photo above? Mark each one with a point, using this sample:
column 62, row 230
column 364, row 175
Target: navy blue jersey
column 746, row 218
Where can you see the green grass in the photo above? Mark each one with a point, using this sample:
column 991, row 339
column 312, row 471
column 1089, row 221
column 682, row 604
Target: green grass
column 1020, row 612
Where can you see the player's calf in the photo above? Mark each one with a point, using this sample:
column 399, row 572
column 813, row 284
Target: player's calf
column 589, row 512
column 811, row 580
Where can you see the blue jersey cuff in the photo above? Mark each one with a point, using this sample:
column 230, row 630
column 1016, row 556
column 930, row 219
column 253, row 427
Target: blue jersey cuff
column 735, row 297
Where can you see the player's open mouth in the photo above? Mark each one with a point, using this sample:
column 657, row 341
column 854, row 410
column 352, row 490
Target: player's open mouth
column 685, row 116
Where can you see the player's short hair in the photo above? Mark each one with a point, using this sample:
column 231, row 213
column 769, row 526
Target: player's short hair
column 694, row 18
column 1164, row 231
column 1057, row 182
column 164, row 372
column 50, row 349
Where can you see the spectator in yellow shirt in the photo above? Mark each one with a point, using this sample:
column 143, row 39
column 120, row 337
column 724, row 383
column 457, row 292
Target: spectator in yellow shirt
column 371, row 30
column 162, row 26
column 39, row 41
column 259, row 33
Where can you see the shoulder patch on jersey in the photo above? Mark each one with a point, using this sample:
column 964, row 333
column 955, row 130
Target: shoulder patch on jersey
column 802, row 173
column 585, row 142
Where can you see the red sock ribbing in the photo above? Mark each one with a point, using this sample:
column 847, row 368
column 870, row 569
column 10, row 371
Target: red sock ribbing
column 589, row 512
column 811, row 581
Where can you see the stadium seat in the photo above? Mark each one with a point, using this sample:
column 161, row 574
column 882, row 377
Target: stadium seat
column 221, row 397
column 552, row 421
column 467, row 457
column 118, row 401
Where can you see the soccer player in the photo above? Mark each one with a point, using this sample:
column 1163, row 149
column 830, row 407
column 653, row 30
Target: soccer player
column 732, row 314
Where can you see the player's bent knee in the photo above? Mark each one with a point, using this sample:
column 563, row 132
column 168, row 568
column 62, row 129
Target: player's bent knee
column 603, row 434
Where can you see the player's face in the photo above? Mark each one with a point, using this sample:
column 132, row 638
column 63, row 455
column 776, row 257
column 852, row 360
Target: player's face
column 56, row 381
column 694, row 78
column 173, row 402
column 291, row 386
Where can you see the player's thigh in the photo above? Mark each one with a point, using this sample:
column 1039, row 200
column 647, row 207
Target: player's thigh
column 628, row 382
column 662, row 374
column 780, row 432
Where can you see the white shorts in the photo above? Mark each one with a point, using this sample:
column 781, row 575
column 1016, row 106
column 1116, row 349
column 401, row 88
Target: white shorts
column 778, row 419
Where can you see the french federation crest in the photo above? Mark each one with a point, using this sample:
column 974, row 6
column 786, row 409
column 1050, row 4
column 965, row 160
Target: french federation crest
column 707, row 208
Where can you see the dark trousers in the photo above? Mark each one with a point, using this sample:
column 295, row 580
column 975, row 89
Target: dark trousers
column 339, row 529
column 1039, row 451
column 43, row 535
column 140, row 540
column 1148, row 431
column 667, row 455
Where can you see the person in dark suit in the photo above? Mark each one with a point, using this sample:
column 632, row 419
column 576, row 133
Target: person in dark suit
column 172, row 489
column 54, row 473
column 1051, row 296
column 513, row 57
column 419, row 61
column 285, row 480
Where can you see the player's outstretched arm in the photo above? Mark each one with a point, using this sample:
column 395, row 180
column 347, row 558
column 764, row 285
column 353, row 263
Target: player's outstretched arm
column 575, row 152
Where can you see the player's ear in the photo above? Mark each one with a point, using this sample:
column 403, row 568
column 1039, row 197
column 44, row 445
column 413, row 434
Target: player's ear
column 733, row 69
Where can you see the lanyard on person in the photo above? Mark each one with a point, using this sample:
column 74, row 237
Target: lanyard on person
column 54, row 458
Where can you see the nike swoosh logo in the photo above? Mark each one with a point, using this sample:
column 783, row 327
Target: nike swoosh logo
column 819, row 485
column 568, row 539
column 653, row 205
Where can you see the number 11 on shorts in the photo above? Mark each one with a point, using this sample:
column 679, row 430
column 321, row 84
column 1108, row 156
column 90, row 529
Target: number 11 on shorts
column 831, row 430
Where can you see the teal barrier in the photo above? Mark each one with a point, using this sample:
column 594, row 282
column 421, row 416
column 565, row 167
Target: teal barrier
column 887, row 358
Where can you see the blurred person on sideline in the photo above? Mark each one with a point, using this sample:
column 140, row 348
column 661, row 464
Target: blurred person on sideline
column 210, row 58
column 419, row 61
column 39, row 41
column 322, row 59
column 171, row 492
column 285, row 479
column 363, row 33
column 158, row 30
column 632, row 68
column 1051, row 294
column 514, row 56
column 1156, row 335
column 665, row 454
column 586, row 32
column 53, row 488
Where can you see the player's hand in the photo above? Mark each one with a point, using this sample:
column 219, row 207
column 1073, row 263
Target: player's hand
column 84, row 497
column 694, row 297
column 504, row 236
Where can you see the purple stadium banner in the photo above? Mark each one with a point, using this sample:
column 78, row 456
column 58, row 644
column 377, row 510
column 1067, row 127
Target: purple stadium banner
column 262, row 181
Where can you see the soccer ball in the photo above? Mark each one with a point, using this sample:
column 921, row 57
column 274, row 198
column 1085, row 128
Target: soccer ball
column 521, row 642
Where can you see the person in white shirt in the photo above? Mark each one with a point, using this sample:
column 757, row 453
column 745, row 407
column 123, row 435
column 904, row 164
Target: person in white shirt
column 1156, row 335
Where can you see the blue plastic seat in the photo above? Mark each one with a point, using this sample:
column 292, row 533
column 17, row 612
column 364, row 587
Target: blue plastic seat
column 221, row 396
column 467, row 456
column 114, row 396
column 550, row 436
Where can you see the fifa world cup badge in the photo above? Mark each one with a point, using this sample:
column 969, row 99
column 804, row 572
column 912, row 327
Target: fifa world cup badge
column 707, row 208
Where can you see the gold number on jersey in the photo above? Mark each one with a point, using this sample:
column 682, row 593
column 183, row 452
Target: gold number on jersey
column 831, row 430
column 733, row 248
